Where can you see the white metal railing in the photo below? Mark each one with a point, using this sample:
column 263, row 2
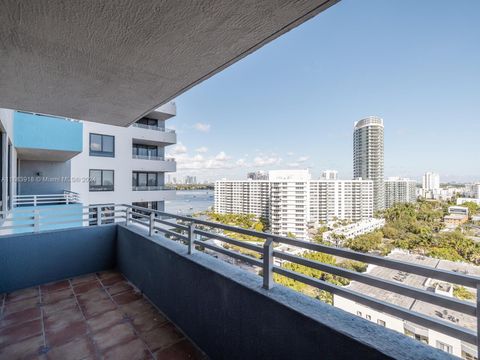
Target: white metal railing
column 194, row 233
column 68, row 197
column 154, row 127
column 150, row 188
column 151, row 157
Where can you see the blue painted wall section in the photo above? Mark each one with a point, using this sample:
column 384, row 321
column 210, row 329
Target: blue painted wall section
column 46, row 132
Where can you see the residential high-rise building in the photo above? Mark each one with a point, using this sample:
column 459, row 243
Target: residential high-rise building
column 290, row 200
column 430, row 181
column 329, row 175
column 67, row 162
column 368, row 156
column 399, row 190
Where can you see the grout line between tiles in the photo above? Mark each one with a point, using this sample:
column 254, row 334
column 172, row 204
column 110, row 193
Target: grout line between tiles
column 42, row 318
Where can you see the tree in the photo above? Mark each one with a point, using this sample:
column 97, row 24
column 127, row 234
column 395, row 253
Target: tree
column 472, row 208
column 366, row 242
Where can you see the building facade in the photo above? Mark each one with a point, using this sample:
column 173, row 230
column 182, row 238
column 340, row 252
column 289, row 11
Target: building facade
column 49, row 160
column 291, row 200
column 368, row 156
column 430, row 181
column 399, row 190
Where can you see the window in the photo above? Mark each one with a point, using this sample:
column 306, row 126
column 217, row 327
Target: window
column 381, row 322
column 445, row 347
column 147, row 151
column 359, row 313
column 101, row 180
column 102, row 145
column 144, row 180
column 368, row 317
column 148, row 121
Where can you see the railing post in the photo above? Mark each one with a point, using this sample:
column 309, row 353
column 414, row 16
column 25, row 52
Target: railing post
column 127, row 216
column 478, row 320
column 99, row 215
column 152, row 224
column 268, row 264
column 36, row 220
column 191, row 238
column 34, row 200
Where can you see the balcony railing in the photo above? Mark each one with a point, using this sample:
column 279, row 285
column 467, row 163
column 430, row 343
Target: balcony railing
column 152, row 157
column 150, row 188
column 153, row 127
column 195, row 232
column 68, row 197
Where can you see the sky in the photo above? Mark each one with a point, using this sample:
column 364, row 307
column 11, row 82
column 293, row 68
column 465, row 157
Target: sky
column 292, row 104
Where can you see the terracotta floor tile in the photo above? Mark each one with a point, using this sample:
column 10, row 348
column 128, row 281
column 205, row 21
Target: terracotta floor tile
column 51, row 297
column 107, row 274
column 94, row 307
column 161, row 337
column 23, row 294
column 105, row 320
column 94, row 294
column 137, row 307
column 55, row 286
column 23, row 349
column 114, row 279
column 20, row 317
column 83, row 279
column 183, row 350
column 77, row 349
column 148, row 320
column 127, row 297
column 86, row 287
column 133, row 350
column 21, row 305
column 16, row 333
column 119, row 288
column 72, row 330
column 115, row 335
column 61, row 305
column 56, row 321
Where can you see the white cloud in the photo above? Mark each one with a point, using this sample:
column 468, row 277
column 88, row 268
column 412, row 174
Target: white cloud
column 241, row 162
column 266, row 160
column 221, row 156
column 178, row 149
column 293, row 164
column 202, row 149
column 290, row 153
column 202, row 127
column 302, row 159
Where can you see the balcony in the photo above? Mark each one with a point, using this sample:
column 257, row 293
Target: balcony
column 154, row 163
column 226, row 311
column 41, row 137
column 154, row 135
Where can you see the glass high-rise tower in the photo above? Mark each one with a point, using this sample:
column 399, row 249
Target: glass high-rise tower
column 368, row 156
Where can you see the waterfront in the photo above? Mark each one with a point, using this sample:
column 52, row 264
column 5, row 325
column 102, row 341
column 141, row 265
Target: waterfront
column 188, row 202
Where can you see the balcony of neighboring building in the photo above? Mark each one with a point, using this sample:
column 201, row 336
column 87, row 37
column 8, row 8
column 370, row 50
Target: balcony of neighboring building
column 149, row 287
column 152, row 158
column 152, row 128
column 50, row 138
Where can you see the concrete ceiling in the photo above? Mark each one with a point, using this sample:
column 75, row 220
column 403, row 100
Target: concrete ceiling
column 115, row 61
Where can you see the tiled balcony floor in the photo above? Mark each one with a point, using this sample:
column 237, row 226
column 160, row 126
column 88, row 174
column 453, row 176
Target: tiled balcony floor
column 97, row 316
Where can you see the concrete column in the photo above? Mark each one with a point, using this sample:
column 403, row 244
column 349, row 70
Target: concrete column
column 4, row 171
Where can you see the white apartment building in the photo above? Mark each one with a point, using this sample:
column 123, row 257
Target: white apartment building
column 430, row 181
column 399, row 190
column 290, row 200
column 429, row 336
column 329, row 175
column 48, row 160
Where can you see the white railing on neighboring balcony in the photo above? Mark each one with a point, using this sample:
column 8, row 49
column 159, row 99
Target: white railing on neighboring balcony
column 151, row 157
column 194, row 232
column 153, row 127
column 150, row 188
column 68, row 197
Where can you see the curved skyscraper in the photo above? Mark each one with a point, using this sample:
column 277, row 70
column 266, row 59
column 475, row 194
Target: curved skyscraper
column 368, row 156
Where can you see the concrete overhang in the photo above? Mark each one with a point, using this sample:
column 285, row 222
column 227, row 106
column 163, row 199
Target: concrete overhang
column 115, row 61
column 45, row 154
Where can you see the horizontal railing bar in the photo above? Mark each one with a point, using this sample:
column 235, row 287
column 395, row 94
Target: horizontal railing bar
column 420, row 294
column 230, row 253
column 172, row 233
column 449, row 276
column 229, row 240
column 402, row 313
column 165, row 222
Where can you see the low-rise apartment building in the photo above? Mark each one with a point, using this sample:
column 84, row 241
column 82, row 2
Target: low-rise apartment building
column 290, row 200
column 352, row 230
column 432, row 337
